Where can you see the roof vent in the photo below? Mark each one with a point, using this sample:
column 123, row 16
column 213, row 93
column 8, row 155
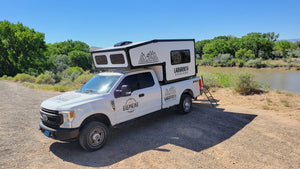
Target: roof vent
column 122, row 43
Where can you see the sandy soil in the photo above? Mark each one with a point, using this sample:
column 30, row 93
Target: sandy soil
column 260, row 131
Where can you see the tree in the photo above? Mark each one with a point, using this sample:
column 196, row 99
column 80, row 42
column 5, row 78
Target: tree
column 21, row 49
column 244, row 54
column 80, row 59
column 259, row 43
column 63, row 48
column 283, row 46
column 199, row 47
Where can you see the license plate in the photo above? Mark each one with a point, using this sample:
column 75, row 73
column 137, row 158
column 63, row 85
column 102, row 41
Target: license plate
column 47, row 133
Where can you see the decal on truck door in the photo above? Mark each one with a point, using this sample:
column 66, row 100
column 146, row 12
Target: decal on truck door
column 151, row 57
column 130, row 105
column 170, row 94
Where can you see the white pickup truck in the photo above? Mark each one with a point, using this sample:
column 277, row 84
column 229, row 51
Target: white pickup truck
column 113, row 97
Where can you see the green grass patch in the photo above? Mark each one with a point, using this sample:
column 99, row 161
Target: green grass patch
column 241, row 82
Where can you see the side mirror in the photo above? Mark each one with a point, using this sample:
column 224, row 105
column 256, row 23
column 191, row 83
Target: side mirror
column 125, row 91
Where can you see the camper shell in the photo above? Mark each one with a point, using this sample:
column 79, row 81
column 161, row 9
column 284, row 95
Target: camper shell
column 172, row 60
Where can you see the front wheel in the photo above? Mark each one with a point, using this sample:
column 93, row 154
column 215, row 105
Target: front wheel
column 185, row 104
column 93, row 136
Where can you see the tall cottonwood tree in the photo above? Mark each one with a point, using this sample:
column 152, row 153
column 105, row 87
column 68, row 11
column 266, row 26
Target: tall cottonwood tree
column 21, row 49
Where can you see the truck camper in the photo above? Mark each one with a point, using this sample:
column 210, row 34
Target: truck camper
column 136, row 79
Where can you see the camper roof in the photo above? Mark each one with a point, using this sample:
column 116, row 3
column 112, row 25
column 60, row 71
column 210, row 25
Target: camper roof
column 112, row 48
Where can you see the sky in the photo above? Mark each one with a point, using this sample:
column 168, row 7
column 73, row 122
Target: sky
column 103, row 23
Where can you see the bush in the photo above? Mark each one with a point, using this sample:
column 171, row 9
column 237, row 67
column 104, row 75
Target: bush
column 244, row 84
column 222, row 59
column 22, row 77
column 82, row 79
column 44, row 79
column 4, row 77
column 255, row 63
column 53, row 76
column 294, row 53
column 237, row 62
column 206, row 62
column 72, row 73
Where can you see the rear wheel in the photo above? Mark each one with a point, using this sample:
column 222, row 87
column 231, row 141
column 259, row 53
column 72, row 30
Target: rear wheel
column 185, row 104
column 93, row 136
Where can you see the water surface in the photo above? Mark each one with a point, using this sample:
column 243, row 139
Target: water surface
column 286, row 80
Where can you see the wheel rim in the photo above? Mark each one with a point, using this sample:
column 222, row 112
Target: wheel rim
column 96, row 137
column 187, row 104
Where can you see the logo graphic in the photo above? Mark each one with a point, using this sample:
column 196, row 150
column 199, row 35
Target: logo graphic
column 130, row 105
column 170, row 94
column 151, row 57
column 44, row 117
column 181, row 70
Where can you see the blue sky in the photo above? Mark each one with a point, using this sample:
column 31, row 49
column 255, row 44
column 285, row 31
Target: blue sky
column 104, row 23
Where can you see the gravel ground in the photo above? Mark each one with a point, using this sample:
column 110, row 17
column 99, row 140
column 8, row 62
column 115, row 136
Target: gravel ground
column 229, row 136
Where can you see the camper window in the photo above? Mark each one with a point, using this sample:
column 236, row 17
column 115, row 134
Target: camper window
column 180, row 56
column 101, row 60
column 117, row 59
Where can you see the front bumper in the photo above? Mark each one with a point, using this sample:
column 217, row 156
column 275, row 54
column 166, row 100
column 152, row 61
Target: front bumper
column 59, row 134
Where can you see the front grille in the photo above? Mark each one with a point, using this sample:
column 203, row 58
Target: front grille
column 51, row 118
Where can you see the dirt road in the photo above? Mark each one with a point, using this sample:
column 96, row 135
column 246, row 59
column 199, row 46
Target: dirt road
column 239, row 135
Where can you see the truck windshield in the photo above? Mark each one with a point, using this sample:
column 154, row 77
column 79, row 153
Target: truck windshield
column 99, row 84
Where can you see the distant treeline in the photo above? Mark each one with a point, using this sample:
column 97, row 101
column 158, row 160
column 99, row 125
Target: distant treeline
column 253, row 47
column 23, row 50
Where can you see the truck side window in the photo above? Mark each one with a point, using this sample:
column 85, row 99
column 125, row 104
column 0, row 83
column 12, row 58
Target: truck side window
column 131, row 81
column 145, row 80
column 180, row 56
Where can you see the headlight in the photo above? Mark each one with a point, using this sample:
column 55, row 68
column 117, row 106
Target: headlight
column 68, row 118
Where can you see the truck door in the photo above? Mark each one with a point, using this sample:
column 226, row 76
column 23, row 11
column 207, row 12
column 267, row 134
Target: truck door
column 145, row 97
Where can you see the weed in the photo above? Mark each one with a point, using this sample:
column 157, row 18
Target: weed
column 265, row 107
column 285, row 102
column 288, row 94
column 60, row 88
column 269, row 101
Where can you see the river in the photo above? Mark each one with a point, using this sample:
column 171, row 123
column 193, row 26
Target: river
column 284, row 80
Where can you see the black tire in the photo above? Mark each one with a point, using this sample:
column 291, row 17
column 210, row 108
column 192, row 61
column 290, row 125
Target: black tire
column 185, row 105
column 93, row 136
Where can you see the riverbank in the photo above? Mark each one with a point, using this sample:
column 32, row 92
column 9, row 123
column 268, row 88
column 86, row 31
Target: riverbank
column 285, row 104
column 282, row 64
column 269, row 79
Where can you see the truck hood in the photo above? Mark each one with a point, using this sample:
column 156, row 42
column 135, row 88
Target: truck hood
column 69, row 100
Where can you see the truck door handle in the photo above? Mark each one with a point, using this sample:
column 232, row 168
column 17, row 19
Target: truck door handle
column 141, row 95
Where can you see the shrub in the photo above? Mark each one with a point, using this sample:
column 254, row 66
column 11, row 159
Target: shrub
column 237, row 62
column 206, row 62
column 82, row 79
column 222, row 59
column 53, row 76
column 255, row 63
column 244, row 84
column 4, row 77
column 294, row 53
column 72, row 73
column 44, row 79
column 22, row 77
